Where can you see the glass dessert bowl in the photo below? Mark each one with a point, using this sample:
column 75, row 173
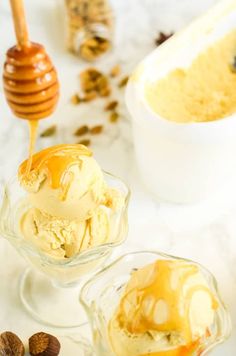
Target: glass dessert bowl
column 53, row 300
column 133, row 325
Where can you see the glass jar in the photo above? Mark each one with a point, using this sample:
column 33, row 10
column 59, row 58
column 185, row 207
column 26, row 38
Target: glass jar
column 89, row 26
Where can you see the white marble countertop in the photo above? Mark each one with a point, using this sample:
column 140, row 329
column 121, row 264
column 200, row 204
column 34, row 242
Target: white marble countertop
column 205, row 233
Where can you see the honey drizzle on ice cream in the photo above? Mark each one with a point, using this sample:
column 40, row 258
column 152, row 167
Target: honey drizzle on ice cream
column 151, row 285
column 180, row 351
column 55, row 161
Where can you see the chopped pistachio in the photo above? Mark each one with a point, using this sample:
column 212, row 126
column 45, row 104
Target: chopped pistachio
column 50, row 131
column 75, row 99
column 83, row 130
column 111, row 105
column 114, row 117
column 84, row 142
column 90, row 96
column 115, row 71
column 95, row 130
column 122, row 83
column 94, row 81
column 105, row 92
column 94, row 47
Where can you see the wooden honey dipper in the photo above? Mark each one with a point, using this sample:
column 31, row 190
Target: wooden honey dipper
column 30, row 80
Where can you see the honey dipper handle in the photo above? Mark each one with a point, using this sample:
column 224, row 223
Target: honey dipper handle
column 20, row 25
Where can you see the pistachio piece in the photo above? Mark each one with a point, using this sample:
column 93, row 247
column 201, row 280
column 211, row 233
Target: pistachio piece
column 111, row 105
column 85, row 142
column 95, row 130
column 83, row 130
column 50, row 131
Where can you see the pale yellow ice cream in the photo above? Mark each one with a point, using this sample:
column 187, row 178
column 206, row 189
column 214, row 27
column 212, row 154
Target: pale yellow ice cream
column 65, row 181
column 203, row 92
column 167, row 309
column 62, row 237
column 70, row 204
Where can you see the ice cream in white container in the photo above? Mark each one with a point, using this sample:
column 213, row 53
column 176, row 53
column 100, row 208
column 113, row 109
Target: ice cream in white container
column 183, row 162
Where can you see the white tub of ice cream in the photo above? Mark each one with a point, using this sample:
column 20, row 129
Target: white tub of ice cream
column 183, row 162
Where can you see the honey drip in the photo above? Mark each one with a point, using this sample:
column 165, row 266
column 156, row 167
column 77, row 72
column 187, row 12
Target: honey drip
column 33, row 127
column 135, row 316
column 55, row 161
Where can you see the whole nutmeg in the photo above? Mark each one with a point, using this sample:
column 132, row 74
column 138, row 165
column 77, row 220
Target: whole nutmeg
column 11, row 345
column 42, row 344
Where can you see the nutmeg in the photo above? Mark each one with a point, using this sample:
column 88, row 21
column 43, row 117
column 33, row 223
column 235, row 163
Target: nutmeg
column 11, row 345
column 42, row 344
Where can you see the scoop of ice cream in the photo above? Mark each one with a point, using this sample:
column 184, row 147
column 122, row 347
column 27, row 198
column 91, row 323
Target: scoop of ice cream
column 167, row 307
column 62, row 237
column 65, row 181
column 69, row 205
column 150, row 343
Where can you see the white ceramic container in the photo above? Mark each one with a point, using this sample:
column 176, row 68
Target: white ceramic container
column 183, row 162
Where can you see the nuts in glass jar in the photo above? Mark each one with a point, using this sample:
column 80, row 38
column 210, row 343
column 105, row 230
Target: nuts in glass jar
column 90, row 26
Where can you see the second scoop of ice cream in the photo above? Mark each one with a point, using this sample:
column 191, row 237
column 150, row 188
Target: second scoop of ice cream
column 167, row 308
column 63, row 237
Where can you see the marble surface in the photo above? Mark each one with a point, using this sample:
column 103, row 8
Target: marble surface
column 205, row 233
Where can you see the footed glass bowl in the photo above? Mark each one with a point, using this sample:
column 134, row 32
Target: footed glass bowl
column 101, row 295
column 49, row 291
